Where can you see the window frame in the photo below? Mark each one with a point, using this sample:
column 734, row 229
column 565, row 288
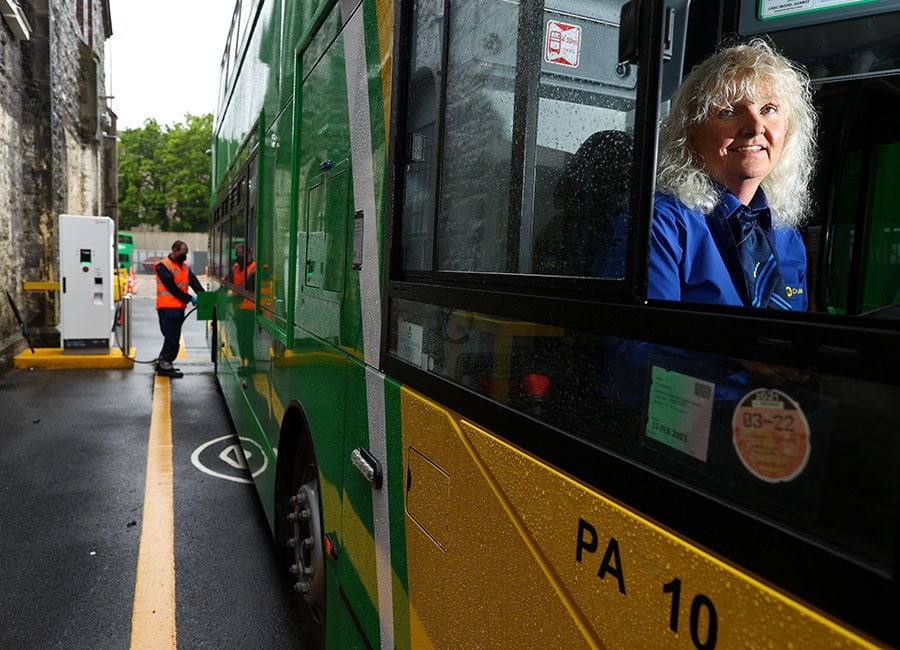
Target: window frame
column 632, row 286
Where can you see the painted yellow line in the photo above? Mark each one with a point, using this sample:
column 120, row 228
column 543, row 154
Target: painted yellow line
column 153, row 613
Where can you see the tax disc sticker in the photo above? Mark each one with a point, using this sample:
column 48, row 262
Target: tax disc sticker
column 771, row 435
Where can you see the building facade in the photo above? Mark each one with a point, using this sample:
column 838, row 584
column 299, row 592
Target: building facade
column 57, row 149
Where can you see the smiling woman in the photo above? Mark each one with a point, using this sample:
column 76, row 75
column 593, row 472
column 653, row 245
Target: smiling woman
column 736, row 159
column 740, row 144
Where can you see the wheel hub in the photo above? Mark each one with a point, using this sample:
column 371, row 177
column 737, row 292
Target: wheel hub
column 305, row 543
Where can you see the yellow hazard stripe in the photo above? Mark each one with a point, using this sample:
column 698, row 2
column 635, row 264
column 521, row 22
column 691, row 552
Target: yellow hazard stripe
column 48, row 285
column 153, row 613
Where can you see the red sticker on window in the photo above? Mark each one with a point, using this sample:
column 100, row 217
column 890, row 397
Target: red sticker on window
column 771, row 435
column 563, row 44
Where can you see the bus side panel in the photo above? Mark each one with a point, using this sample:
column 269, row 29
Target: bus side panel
column 396, row 493
column 358, row 577
column 374, row 575
column 503, row 549
column 252, row 402
column 226, row 339
column 373, row 569
column 262, row 412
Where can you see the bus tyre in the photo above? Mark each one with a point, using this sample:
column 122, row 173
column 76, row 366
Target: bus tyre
column 307, row 560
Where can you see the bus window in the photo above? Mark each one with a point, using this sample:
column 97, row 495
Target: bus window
column 252, row 198
column 521, row 191
column 852, row 54
column 215, row 247
column 238, row 218
column 420, row 180
column 703, row 418
column 273, row 267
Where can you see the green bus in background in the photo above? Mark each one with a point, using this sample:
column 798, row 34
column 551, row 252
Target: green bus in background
column 125, row 248
column 426, row 388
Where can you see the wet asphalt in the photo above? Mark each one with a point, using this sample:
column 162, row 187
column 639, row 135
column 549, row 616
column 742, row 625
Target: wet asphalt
column 73, row 454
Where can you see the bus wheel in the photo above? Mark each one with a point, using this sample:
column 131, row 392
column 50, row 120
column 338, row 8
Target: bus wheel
column 306, row 555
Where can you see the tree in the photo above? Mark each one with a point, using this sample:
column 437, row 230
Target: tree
column 164, row 175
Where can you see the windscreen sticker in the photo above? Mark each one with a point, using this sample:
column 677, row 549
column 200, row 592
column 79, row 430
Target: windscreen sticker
column 769, row 9
column 679, row 411
column 409, row 342
column 771, row 435
column 563, row 44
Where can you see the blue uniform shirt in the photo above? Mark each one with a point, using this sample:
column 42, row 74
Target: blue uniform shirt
column 693, row 256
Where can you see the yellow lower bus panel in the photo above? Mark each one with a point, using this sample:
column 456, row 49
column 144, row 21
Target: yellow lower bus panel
column 505, row 552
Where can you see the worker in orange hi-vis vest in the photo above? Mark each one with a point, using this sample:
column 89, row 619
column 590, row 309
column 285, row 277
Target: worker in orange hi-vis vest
column 173, row 278
column 243, row 276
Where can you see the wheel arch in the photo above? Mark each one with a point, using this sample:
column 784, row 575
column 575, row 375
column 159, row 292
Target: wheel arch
column 295, row 438
column 298, row 522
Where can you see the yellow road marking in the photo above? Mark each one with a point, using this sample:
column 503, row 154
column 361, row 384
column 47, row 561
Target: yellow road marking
column 153, row 613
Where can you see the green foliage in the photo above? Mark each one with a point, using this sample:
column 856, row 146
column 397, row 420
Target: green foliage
column 164, row 175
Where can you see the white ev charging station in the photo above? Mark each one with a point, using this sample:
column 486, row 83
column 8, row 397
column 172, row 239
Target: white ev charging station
column 87, row 306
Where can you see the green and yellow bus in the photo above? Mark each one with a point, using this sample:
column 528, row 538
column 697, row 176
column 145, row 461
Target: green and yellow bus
column 125, row 248
column 423, row 394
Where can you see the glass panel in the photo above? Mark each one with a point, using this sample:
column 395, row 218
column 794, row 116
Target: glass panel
column 275, row 231
column 215, row 261
column 337, row 187
column 478, row 133
column 853, row 239
column 856, row 231
column 252, row 198
column 883, row 255
column 315, row 233
column 577, row 222
column 421, row 137
column 570, row 215
column 782, row 442
column 323, row 210
column 326, row 229
column 236, row 207
column 844, row 49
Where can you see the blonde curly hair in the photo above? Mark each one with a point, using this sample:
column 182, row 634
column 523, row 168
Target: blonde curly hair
column 734, row 73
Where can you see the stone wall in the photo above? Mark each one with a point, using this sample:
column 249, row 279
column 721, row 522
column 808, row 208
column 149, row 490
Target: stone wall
column 54, row 153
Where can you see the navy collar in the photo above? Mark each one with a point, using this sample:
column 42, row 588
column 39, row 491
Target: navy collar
column 729, row 205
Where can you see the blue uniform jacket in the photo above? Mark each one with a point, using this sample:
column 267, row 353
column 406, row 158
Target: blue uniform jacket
column 693, row 257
